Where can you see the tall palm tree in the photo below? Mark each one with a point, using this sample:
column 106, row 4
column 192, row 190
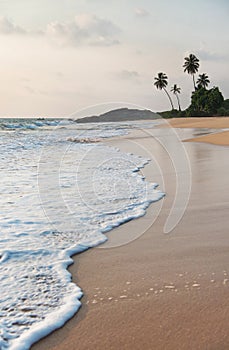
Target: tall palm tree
column 176, row 90
column 191, row 66
column 161, row 83
column 203, row 80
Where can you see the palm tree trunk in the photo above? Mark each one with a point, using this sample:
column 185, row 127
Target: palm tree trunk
column 169, row 97
column 194, row 83
column 178, row 101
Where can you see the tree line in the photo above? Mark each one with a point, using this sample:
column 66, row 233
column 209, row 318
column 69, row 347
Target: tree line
column 203, row 101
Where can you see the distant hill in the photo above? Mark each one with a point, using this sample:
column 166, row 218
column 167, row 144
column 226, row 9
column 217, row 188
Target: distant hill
column 119, row 115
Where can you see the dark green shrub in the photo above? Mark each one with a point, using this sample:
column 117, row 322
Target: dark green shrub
column 205, row 102
column 226, row 104
column 223, row 112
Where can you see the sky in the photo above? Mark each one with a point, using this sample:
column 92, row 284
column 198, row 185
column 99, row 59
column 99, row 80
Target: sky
column 58, row 57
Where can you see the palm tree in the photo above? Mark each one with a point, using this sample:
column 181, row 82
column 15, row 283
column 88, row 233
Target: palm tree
column 191, row 66
column 203, row 80
column 176, row 90
column 161, row 83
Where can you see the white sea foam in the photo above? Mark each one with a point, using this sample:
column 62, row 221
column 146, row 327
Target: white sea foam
column 83, row 191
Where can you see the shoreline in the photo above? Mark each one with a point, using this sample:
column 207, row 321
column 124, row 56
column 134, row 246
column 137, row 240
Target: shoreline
column 158, row 290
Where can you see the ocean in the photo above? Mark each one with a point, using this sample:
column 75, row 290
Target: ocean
column 62, row 189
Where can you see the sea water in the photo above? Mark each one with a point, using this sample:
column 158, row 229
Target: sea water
column 58, row 198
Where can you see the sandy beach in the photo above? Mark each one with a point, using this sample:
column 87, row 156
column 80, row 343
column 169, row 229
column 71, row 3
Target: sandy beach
column 161, row 291
column 206, row 122
column 218, row 138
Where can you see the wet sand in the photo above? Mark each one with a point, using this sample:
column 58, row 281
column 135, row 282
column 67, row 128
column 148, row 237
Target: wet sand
column 160, row 291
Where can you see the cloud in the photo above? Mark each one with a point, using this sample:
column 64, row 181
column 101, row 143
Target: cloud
column 84, row 29
column 210, row 56
column 29, row 89
column 140, row 12
column 7, row 27
column 128, row 75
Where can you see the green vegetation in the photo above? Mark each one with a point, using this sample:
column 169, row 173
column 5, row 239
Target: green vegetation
column 204, row 101
column 224, row 109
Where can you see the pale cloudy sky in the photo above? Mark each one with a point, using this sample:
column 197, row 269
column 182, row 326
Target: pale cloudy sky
column 59, row 56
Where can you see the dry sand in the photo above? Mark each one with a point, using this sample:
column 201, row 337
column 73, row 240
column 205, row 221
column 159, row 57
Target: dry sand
column 204, row 122
column 159, row 291
column 219, row 138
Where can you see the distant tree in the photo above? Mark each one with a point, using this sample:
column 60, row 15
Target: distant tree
column 224, row 109
column 215, row 100
column 176, row 90
column 161, row 83
column 203, row 81
column 223, row 112
column 205, row 102
column 191, row 66
column 226, row 103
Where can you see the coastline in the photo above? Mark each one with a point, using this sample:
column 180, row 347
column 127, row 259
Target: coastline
column 158, row 290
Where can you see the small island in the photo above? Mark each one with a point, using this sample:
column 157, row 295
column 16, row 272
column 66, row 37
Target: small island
column 119, row 115
column 204, row 102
